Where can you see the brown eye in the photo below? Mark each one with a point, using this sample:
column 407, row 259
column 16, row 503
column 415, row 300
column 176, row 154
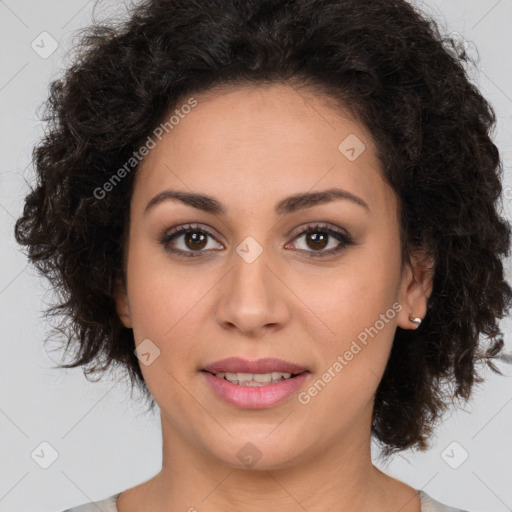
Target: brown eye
column 187, row 240
column 318, row 240
column 192, row 241
column 195, row 240
column 318, row 237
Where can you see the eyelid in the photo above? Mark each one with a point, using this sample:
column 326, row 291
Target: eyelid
column 345, row 238
column 317, row 225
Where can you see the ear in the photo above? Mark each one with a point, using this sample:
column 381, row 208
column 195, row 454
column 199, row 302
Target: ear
column 123, row 304
column 415, row 288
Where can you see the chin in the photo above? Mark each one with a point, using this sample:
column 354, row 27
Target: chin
column 260, row 452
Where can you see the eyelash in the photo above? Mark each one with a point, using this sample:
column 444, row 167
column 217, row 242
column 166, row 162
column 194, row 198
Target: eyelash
column 343, row 237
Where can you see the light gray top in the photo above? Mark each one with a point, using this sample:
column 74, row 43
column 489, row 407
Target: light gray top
column 428, row 504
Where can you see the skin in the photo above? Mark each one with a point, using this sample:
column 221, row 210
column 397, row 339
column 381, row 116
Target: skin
column 249, row 147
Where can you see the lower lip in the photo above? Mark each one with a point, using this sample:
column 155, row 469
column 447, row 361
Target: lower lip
column 255, row 397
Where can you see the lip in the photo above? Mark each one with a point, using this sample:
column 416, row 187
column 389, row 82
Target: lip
column 254, row 397
column 265, row 365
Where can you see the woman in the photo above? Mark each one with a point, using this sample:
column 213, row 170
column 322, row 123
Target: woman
column 280, row 218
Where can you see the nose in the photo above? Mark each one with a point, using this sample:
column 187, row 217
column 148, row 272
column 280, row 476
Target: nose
column 253, row 296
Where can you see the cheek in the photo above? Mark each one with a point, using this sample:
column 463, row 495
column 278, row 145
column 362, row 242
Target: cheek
column 160, row 293
column 359, row 323
column 167, row 306
column 352, row 326
column 344, row 301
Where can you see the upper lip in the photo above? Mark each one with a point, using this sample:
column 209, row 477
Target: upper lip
column 265, row 365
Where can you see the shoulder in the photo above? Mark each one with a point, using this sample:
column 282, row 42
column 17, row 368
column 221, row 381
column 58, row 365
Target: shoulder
column 429, row 504
column 106, row 505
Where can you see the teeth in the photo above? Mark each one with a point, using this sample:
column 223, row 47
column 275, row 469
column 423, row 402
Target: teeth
column 253, row 379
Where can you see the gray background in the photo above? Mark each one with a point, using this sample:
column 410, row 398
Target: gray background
column 103, row 442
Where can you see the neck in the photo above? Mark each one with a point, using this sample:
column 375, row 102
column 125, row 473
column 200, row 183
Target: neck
column 340, row 478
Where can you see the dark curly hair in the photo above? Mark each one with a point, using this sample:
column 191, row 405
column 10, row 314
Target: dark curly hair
column 384, row 62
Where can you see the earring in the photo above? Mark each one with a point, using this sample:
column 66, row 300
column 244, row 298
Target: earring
column 417, row 321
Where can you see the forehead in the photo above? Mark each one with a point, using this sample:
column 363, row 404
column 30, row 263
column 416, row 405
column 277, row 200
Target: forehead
column 262, row 142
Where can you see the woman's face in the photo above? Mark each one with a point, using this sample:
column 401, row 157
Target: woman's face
column 257, row 287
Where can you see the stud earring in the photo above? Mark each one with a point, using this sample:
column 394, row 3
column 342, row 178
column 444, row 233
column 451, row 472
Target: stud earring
column 417, row 321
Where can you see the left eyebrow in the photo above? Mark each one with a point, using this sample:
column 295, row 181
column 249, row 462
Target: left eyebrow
column 286, row 206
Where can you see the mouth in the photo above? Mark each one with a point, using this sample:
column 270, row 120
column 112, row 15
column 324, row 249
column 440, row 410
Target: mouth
column 255, row 379
column 261, row 372
column 254, row 384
